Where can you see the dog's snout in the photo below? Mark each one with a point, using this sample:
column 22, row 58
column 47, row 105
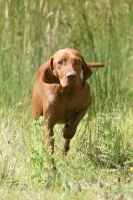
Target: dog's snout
column 71, row 75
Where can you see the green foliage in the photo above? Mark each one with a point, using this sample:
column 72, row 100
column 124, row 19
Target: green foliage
column 110, row 147
column 100, row 159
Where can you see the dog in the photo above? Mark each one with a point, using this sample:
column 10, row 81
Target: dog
column 62, row 95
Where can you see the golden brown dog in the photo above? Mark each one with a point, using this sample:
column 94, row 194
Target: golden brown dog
column 61, row 94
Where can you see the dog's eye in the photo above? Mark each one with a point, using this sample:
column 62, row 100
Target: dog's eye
column 77, row 61
column 60, row 62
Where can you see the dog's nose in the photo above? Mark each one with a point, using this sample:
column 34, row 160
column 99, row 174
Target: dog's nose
column 71, row 75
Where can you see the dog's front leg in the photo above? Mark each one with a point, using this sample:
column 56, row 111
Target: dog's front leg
column 49, row 144
column 70, row 129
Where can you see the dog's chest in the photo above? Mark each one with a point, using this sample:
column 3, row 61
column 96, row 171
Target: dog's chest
column 65, row 102
column 50, row 96
column 64, row 106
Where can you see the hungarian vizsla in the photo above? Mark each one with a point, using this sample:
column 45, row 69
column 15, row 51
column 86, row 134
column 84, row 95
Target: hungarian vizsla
column 62, row 95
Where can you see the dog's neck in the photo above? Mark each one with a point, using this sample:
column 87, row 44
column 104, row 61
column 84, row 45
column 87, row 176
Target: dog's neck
column 69, row 89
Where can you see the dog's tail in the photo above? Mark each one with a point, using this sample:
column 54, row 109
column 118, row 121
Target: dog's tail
column 95, row 64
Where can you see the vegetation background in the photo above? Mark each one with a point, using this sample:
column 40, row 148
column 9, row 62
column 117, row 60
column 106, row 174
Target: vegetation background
column 100, row 162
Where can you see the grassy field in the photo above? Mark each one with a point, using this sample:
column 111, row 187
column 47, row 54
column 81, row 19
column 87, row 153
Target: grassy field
column 100, row 162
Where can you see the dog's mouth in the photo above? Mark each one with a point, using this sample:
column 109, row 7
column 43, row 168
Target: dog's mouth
column 70, row 83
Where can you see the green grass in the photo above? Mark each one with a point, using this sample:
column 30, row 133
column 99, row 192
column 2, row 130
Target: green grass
column 101, row 151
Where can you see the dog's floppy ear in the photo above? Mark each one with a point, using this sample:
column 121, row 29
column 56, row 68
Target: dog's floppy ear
column 48, row 75
column 87, row 72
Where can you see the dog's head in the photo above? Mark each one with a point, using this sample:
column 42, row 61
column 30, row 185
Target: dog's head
column 67, row 68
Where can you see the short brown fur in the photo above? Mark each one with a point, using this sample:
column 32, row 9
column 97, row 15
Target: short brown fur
column 61, row 94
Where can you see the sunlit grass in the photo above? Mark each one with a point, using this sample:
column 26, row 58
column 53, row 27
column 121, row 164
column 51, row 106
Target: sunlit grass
column 102, row 149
